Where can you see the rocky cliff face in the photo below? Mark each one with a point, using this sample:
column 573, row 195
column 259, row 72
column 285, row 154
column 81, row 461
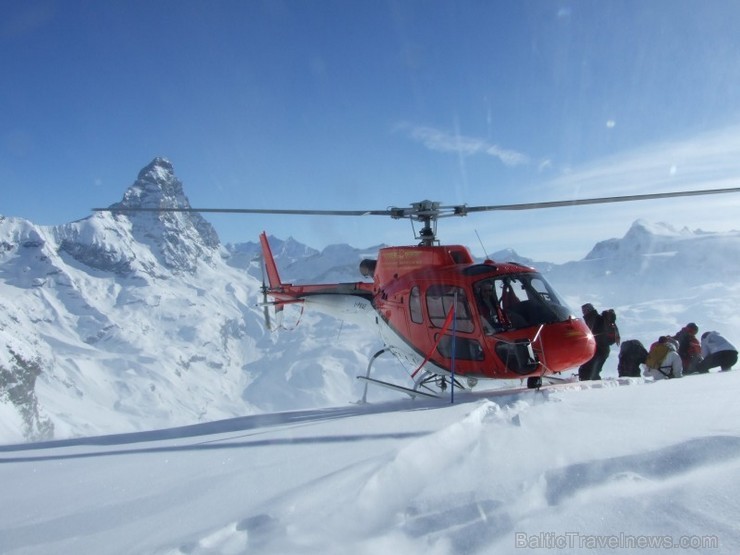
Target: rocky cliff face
column 18, row 388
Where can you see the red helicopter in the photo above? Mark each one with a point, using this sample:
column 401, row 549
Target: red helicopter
column 441, row 313
column 449, row 317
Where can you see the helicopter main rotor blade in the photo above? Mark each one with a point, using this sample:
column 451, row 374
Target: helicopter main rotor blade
column 426, row 210
column 250, row 211
column 600, row 200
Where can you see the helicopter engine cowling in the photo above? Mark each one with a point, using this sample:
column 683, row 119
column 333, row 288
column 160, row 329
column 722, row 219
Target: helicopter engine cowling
column 367, row 267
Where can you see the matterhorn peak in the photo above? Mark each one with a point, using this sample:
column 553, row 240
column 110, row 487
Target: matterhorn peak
column 179, row 239
column 160, row 166
column 155, row 187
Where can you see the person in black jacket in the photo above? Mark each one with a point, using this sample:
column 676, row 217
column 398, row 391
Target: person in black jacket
column 591, row 370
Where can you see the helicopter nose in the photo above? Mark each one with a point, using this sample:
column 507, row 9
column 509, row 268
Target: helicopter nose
column 567, row 344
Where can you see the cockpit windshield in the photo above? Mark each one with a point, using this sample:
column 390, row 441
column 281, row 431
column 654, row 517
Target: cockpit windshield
column 518, row 301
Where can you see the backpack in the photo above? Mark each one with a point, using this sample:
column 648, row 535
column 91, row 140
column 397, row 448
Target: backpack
column 656, row 355
column 633, row 351
column 611, row 331
column 688, row 346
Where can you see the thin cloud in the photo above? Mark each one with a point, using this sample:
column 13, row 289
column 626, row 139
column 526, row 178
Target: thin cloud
column 442, row 141
column 705, row 161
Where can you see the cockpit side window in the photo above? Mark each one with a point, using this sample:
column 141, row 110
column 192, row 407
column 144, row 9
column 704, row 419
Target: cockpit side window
column 440, row 300
column 415, row 305
column 517, row 301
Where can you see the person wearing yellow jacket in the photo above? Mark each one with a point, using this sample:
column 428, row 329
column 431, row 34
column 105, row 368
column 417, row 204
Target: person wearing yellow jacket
column 668, row 366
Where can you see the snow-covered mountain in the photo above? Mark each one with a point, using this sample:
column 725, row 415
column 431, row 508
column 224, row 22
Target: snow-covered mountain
column 124, row 321
column 130, row 321
column 659, row 278
column 119, row 319
column 289, row 252
column 658, row 254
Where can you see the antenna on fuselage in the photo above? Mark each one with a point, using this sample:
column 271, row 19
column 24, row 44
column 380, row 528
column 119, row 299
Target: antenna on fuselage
column 482, row 245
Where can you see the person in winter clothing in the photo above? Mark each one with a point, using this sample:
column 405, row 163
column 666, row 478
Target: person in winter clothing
column 632, row 353
column 488, row 308
column 668, row 366
column 716, row 351
column 689, row 348
column 591, row 370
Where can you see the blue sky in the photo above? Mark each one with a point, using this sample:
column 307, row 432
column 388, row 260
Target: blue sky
column 369, row 104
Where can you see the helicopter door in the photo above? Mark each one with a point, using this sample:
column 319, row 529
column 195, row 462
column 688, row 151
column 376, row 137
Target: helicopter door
column 440, row 300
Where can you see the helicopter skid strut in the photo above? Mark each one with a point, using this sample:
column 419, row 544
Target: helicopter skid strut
column 407, row 390
column 422, row 381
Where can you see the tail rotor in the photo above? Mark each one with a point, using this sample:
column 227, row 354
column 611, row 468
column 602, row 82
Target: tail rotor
column 265, row 302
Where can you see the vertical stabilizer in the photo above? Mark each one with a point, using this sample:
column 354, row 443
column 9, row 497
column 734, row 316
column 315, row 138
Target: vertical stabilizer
column 273, row 277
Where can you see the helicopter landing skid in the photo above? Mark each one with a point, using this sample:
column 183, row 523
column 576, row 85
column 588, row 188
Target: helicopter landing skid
column 536, row 382
column 423, row 381
column 407, row 390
